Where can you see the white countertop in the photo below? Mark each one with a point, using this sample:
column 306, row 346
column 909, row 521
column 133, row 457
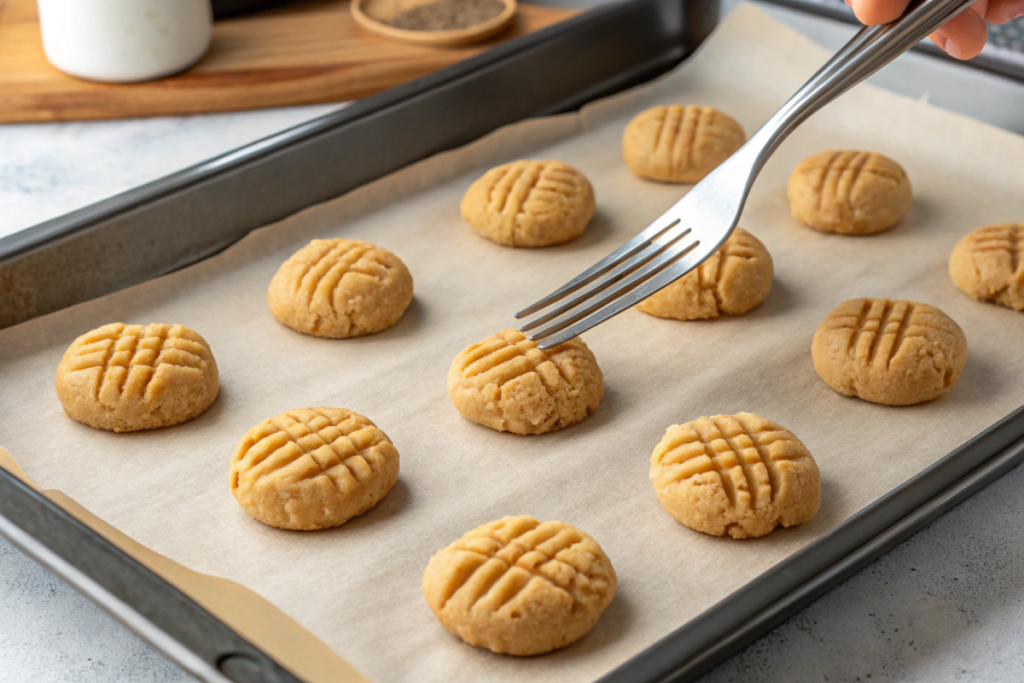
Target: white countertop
column 945, row 605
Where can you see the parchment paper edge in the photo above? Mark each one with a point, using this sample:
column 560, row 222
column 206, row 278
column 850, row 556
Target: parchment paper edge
column 246, row 612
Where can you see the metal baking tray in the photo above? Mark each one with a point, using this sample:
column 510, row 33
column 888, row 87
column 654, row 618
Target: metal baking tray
column 185, row 217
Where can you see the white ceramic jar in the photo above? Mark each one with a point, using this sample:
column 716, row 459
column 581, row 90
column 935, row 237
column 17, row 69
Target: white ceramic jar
column 124, row 40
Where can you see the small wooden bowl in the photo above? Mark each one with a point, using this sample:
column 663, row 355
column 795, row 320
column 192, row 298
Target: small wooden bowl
column 373, row 15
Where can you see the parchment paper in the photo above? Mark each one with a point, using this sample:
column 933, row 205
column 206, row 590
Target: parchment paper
column 358, row 587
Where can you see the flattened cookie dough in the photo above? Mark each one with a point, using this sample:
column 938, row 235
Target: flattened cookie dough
column 848, row 192
column 530, row 204
column 740, row 475
column 891, row 352
column 679, row 144
column 124, row 378
column 340, row 288
column 735, row 279
column 520, row 587
column 506, row 383
column 313, row 468
column 988, row 264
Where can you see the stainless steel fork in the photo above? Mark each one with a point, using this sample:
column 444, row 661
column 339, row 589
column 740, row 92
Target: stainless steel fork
column 697, row 225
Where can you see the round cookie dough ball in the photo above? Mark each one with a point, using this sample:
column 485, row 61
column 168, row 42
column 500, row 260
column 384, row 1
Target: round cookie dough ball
column 340, row 288
column 848, row 192
column 988, row 264
column 124, row 378
column 741, row 475
column 520, row 587
column 892, row 352
column 313, row 468
column 530, row 204
column 735, row 279
column 678, row 144
column 506, row 383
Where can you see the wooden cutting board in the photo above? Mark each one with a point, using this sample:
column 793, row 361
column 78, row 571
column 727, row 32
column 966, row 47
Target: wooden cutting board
column 306, row 53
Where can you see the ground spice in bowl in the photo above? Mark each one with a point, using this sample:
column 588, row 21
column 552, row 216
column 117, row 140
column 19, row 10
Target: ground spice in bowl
column 447, row 15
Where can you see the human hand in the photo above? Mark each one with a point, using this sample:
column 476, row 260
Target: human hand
column 962, row 37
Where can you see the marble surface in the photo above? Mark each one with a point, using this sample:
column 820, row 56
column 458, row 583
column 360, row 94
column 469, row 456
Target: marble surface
column 48, row 169
column 943, row 606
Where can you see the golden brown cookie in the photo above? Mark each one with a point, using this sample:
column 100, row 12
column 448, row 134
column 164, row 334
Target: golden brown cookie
column 892, row 352
column 313, row 468
column 506, row 383
column 680, row 144
column 988, row 264
column 124, row 378
column 735, row 279
column 520, row 587
column 848, row 192
column 530, row 204
column 340, row 288
column 740, row 475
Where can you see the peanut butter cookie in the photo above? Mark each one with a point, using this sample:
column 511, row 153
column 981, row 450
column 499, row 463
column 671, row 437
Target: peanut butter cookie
column 124, row 378
column 740, row 475
column 850, row 193
column 530, row 204
column 340, row 288
column 520, row 587
column 506, row 383
column 312, row 469
column 988, row 264
column 891, row 352
column 735, row 279
column 678, row 144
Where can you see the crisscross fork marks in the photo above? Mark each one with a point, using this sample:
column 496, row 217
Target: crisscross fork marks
column 508, row 195
column 1002, row 238
column 728, row 446
column 125, row 352
column 345, row 435
column 324, row 276
column 879, row 329
column 502, row 360
column 554, row 181
column 506, row 556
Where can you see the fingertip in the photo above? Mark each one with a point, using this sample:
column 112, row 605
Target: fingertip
column 1002, row 11
column 875, row 12
column 965, row 35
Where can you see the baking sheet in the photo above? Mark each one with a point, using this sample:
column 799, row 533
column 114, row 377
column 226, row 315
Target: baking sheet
column 358, row 587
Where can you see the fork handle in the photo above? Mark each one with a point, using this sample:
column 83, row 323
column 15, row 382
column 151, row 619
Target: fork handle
column 868, row 51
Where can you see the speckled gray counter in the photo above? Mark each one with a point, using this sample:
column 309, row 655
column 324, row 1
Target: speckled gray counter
column 946, row 605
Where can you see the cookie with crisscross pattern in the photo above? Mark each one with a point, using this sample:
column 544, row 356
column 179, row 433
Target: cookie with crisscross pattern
column 988, row 264
column 895, row 352
column 849, row 192
column 124, row 378
column 733, row 280
column 680, row 144
column 741, row 475
column 506, row 383
column 312, row 468
column 530, row 204
column 340, row 288
column 518, row 586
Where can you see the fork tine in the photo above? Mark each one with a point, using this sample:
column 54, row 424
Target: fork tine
column 587, row 306
column 598, row 314
column 651, row 250
column 626, row 251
